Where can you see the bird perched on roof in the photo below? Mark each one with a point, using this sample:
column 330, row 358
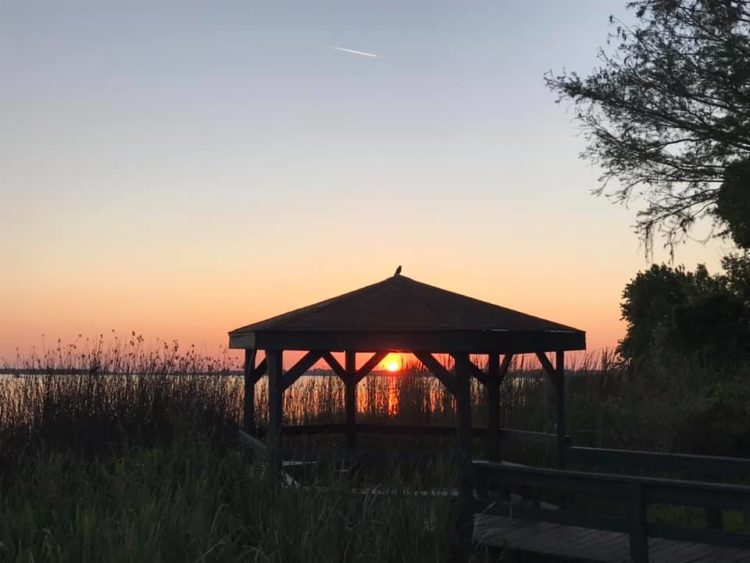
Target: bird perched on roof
column 398, row 271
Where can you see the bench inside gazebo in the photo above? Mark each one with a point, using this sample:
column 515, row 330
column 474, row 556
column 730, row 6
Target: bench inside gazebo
column 402, row 315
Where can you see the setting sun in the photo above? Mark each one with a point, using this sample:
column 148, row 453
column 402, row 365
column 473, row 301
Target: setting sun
column 392, row 363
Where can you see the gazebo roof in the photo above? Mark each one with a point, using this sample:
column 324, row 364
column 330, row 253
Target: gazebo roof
column 406, row 315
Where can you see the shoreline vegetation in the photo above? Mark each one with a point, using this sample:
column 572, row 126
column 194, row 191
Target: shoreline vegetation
column 145, row 465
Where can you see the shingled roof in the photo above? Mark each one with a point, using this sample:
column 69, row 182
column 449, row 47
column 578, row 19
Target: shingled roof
column 400, row 313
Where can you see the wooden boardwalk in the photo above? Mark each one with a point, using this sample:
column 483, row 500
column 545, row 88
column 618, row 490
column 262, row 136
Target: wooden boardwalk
column 586, row 544
column 576, row 529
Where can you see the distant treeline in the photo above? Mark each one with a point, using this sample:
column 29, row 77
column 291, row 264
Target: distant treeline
column 318, row 372
column 68, row 371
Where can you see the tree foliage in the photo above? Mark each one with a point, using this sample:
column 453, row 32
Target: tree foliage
column 673, row 310
column 668, row 110
column 733, row 203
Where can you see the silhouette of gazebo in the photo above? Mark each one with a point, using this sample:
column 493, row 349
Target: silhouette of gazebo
column 403, row 315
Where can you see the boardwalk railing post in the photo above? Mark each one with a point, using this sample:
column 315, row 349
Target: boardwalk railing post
column 636, row 517
column 465, row 520
column 714, row 519
column 481, row 483
column 560, row 395
column 493, row 407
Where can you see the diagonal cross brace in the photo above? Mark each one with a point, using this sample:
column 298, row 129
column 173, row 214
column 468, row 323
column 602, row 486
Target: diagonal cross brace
column 444, row 376
column 505, row 366
column 498, row 372
column 477, row 372
column 495, row 373
column 298, row 369
column 252, row 372
column 334, row 364
column 259, row 370
column 547, row 366
column 357, row 375
column 368, row 366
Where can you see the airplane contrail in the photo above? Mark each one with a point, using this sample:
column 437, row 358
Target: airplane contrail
column 352, row 51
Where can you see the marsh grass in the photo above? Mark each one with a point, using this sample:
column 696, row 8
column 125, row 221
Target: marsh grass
column 188, row 502
column 92, row 414
column 672, row 404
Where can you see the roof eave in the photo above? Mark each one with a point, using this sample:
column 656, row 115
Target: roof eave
column 436, row 341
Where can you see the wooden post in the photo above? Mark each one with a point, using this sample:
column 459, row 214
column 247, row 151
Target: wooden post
column 636, row 513
column 714, row 519
column 275, row 389
column 350, row 399
column 248, row 411
column 465, row 486
column 493, row 407
column 463, row 403
column 560, row 396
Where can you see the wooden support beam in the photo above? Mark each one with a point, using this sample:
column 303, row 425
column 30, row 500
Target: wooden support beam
column 334, row 364
column 369, row 365
column 496, row 373
column 252, row 373
column 350, row 398
column 556, row 374
column 444, row 376
column 560, row 396
column 248, row 403
column 299, row 369
column 465, row 520
column 275, row 396
column 463, row 402
column 493, row 406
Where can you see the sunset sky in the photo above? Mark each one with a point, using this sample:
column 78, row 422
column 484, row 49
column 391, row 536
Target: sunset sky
column 184, row 168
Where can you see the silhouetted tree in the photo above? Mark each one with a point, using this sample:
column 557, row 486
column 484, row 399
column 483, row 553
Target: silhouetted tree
column 737, row 268
column 648, row 306
column 733, row 202
column 716, row 326
column 669, row 110
column 671, row 310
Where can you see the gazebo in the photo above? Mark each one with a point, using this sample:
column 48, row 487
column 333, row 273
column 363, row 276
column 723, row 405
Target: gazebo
column 400, row 314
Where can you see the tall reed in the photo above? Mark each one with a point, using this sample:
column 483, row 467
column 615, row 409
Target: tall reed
column 188, row 502
column 669, row 404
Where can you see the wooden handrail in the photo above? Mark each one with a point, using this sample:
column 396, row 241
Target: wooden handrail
column 703, row 465
column 660, row 489
column 412, row 429
column 633, row 493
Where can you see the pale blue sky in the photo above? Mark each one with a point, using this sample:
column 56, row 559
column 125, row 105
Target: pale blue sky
column 172, row 167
